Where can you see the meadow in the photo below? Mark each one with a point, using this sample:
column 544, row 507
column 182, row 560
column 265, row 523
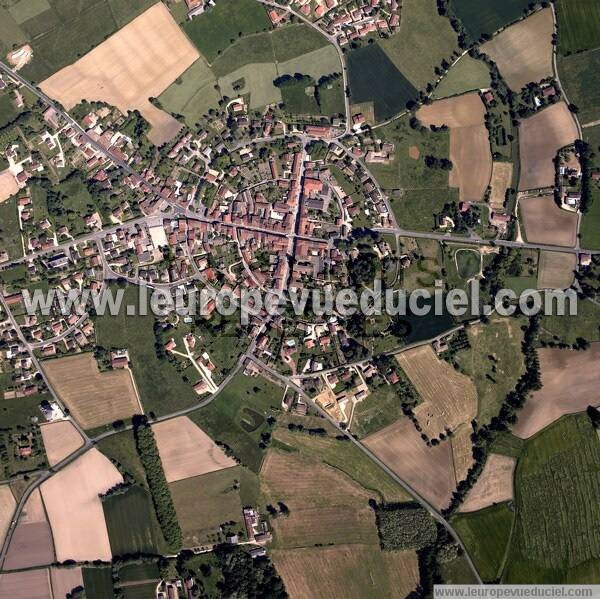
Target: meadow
column 98, row 582
column 590, row 224
column 466, row 75
column 578, row 25
column 579, row 75
column 380, row 409
column 10, row 234
column 417, row 208
column 8, row 112
column 568, row 328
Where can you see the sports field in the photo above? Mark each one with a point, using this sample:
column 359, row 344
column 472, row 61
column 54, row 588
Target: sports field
column 578, row 25
column 556, row 270
column 546, row 223
column 468, row 74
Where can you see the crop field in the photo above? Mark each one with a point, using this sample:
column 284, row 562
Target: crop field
column 205, row 502
column 346, row 571
column 216, row 29
column 381, row 408
column 74, row 507
column 557, row 483
column 501, row 181
column 121, row 447
column 494, row 485
column 462, row 451
column 32, row 584
column 578, row 25
column 97, row 582
column 186, row 450
column 64, row 580
column 546, row 223
column 138, row 62
column 7, row 508
column 540, row 138
column 10, row 32
column 468, row 74
column 581, row 81
column 487, row 16
column 486, row 534
column 590, row 224
column 258, row 82
column 570, row 384
column 523, row 51
column 139, row 591
column 556, row 270
column 93, row 397
column 375, row 78
column 449, row 398
column 60, row 440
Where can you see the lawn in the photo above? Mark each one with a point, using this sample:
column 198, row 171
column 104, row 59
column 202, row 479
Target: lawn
column 466, row 75
column 580, row 76
column 381, row 408
column 578, row 25
column 417, row 209
column 216, row 29
column 557, row 483
column 485, row 534
column 98, row 582
column 425, row 39
column 27, row 9
column 375, row 78
column 10, row 234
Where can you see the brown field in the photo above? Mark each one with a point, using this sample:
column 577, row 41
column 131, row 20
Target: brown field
column 501, row 180
column 546, row 223
column 93, row 397
column 64, row 580
column 462, row 451
column 32, row 584
column 136, row 63
column 428, row 470
column 570, row 384
column 556, row 270
column 7, row 509
column 414, row 153
column 31, row 544
column 449, row 398
column 61, row 439
column 186, row 450
column 75, row 509
column 326, row 506
column 540, row 138
column 523, row 51
column 346, row 571
column 494, row 485
column 8, row 185
column 469, row 142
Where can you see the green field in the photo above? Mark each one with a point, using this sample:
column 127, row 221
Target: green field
column 27, row 9
column 139, row 591
column 121, row 447
column 375, row 78
column 142, row 571
column 507, row 444
column 18, row 412
column 10, row 235
column 568, row 328
column 381, row 408
column 423, row 41
column 417, row 208
column 578, row 25
column 580, row 76
column 258, row 84
column 8, row 112
column 468, row 263
column 216, row 29
column 557, row 484
column 487, row 16
column 466, row 75
column 299, row 98
column 10, row 33
column 98, row 582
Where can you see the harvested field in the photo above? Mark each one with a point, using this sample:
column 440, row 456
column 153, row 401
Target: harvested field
column 523, row 51
column 540, row 138
column 93, row 397
column 7, row 508
column 61, row 439
column 32, row 584
column 570, row 382
column 449, row 398
column 8, row 185
column 347, row 571
column 75, row 509
column 469, row 142
column 494, row 485
column 138, row 62
column 546, row 223
column 186, row 450
column 556, row 270
column 64, row 580
column 462, row 452
column 31, row 544
column 428, row 470
column 501, row 180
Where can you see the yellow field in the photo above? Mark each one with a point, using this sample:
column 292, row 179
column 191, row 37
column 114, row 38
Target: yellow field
column 7, row 508
column 61, row 439
column 93, row 397
column 556, row 270
column 501, row 179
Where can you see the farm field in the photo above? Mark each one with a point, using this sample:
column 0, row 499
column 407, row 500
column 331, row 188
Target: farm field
column 121, row 448
column 581, row 81
column 61, row 439
column 346, row 571
column 31, row 544
column 380, row 409
column 10, row 32
column 570, row 384
column 205, row 502
column 462, row 451
column 540, row 138
column 32, row 584
column 64, row 580
column 546, row 223
column 138, row 62
column 449, row 398
column 186, row 450
column 557, row 517
column 93, row 397
column 466, row 75
column 10, row 235
column 139, row 591
column 7, row 508
column 258, row 82
column 494, row 484
column 486, row 534
column 578, row 24
column 523, row 51
column 97, row 582
column 74, row 507
column 569, row 328
column 8, row 185
column 500, row 182
column 590, row 224
column 556, row 270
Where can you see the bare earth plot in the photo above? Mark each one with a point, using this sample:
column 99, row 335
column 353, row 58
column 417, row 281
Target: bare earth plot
column 186, row 450
column 501, row 180
column 523, row 51
column 7, row 508
column 347, row 571
column 75, row 509
column 93, row 397
column 138, row 62
column 64, row 580
column 556, row 270
column 546, row 223
column 8, row 185
column 32, row 584
column 540, row 138
column 494, row 485
column 31, row 544
column 61, row 439
column 469, row 143
column 570, row 382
